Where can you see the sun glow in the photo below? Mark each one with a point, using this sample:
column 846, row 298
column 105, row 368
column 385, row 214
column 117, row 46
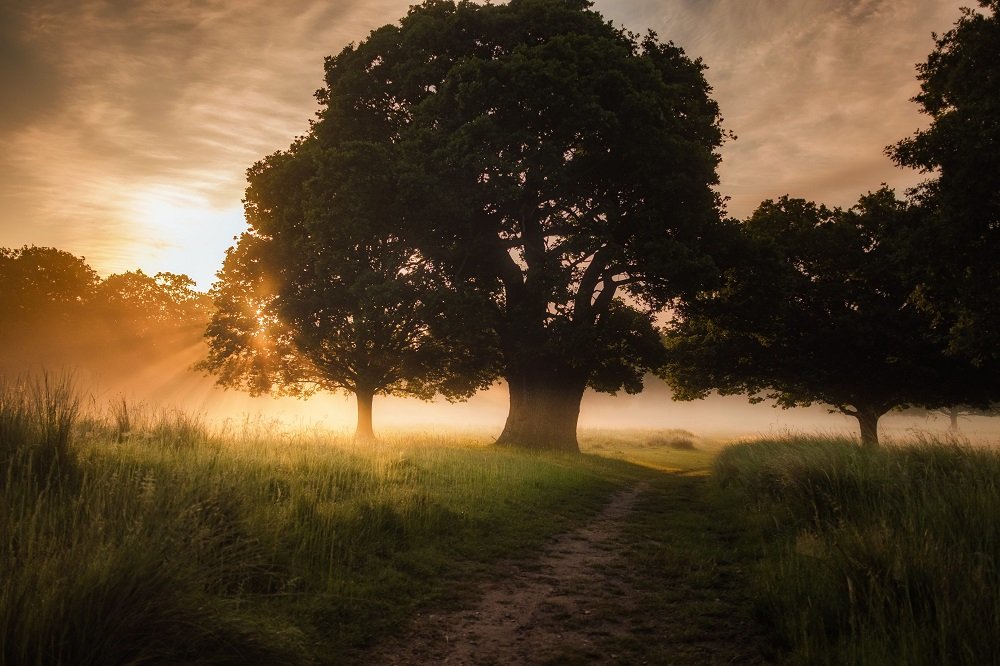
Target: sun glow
column 182, row 232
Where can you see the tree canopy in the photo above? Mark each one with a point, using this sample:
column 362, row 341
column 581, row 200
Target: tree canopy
column 151, row 307
column 819, row 310
column 954, row 413
column 322, row 293
column 953, row 246
column 43, row 283
column 546, row 164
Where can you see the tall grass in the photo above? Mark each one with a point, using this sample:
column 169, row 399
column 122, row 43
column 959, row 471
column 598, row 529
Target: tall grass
column 37, row 416
column 885, row 556
column 174, row 544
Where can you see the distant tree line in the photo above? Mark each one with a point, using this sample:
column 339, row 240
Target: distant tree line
column 56, row 311
column 518, row 191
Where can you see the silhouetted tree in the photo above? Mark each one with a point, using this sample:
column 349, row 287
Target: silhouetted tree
column 819, row 311
column 44, row 296
column 43, row 282
column 151, row 307
column 954, row 245
column 551, row 164
column 322, row 294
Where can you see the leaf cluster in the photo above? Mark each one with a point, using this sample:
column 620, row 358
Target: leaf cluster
column 558, row 167
column 57, row 310
column 819, row 310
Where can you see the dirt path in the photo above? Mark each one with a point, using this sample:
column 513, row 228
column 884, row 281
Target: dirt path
column 579, row 602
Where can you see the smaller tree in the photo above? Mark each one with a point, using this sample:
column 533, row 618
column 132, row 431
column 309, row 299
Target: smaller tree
column 817, row 310
column 954, row 413
column 320, row 294
column 45, row 295
column 151, row 309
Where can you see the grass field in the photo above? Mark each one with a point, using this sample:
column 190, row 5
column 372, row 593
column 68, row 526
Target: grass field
column 882, row 556
column 167, row 543
column 144, row 537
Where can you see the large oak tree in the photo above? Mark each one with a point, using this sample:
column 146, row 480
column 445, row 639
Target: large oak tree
column 551, row 165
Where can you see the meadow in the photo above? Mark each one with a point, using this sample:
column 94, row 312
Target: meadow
column 873, row 556
column 132, row 535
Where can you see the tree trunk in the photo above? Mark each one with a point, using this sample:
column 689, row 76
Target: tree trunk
column 544, row 410
column 953, row 414
column 364, row 432
column 868, row 419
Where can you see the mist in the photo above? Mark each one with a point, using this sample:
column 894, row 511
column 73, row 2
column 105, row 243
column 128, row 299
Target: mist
column 169, row 383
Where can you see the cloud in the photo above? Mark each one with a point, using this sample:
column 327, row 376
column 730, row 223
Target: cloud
column 814, row 89
column 117, row 98
column 31, row 83
column 145, row 94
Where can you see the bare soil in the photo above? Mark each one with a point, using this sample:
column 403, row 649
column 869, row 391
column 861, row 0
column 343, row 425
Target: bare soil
column 587, row 598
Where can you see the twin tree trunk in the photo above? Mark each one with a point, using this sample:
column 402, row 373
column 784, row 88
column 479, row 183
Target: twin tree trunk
column 544, row 410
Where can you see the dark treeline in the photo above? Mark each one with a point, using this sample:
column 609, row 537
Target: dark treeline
column 56, row 312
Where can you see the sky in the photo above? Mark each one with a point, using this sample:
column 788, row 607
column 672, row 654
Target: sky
column 126, row 126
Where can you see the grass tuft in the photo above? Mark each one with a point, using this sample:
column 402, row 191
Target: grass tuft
column 37, row 419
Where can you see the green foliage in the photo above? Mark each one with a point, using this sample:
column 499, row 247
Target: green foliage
column 41, row 278
column 874, row 556
column 817, row 309
column 149, row 308
column 953, row 246
column 537, row 172
column 324, row 294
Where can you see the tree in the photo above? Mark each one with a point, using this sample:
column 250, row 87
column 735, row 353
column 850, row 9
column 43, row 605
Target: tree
column 320, row 294
column 43, row 282
column 44, row 296
column 954, row 412
column 56, row 311
column 953, row 247
column 819, row 311
column 554, row 166
column 150, row 308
